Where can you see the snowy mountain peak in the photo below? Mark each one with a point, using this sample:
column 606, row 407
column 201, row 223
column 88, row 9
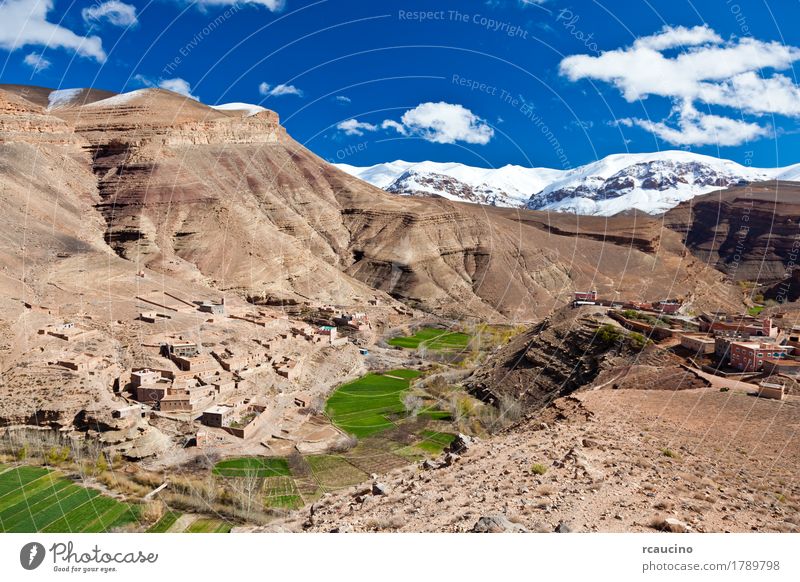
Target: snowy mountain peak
column 650, row 182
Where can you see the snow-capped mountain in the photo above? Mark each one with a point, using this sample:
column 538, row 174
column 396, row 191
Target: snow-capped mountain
column 506, row 186
column 652, row 183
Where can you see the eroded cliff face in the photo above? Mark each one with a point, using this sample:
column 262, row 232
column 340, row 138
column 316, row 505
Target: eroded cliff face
column 210, row 196
column 749, row 232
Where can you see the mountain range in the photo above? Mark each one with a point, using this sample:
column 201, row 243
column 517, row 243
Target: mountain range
column 649, row 182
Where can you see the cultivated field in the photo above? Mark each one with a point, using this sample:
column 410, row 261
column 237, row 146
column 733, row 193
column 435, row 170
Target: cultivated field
column 389, row 437
column 370, row 404
column 431, row 338
column 35, row 499
column 252, row 467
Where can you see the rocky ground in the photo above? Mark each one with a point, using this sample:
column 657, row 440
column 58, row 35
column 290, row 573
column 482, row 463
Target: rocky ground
column 602, row 460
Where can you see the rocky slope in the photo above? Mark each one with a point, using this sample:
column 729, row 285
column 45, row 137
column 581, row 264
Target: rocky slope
column 231, row 201
column 748, row 232
column 603, row 460
column 570, row 350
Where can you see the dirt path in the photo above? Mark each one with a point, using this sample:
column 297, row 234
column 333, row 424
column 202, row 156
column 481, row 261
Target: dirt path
column 182, row 523
column 720, row 382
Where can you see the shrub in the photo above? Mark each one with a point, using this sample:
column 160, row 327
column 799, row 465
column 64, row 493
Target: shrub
column 153, row 511
column 669, row 453
column 608, row 335
column 538, row 469
column 637, row 341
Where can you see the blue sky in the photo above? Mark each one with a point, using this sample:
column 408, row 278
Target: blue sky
column 548, row 83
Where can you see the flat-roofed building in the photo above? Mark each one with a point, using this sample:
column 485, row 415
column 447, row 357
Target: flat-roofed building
column 198, row 365
column 182, row 349
column 698, row 344
column 750, row 356
column 786, row 366
column 586, row 295
column 212, row 308
column 180, row 402
column 771, row 390
column 217, row 416
column 145, row 377
column 152, row 393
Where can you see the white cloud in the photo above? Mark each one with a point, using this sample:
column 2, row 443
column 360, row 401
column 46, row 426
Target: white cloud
column 679, row 36
column 178, row 85
column 707, row 70
column 25, row 24
column 344, row 100
column 355, row 127
column 699, row 129
column 278, row 90
column 37, row 62
column 446, row 123
column 115, row 12
column 435, row 122
column 392, row 124
column 272, row 5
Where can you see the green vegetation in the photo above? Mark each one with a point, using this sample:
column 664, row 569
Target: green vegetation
column 670, row 453
column 538, row 469
column 36, row 499
column 282, row 493
column 637, row 341
column 366, row 406
column 166, row 522
column 252, row 467
column 755, row 310
column 653, row 320
column 434, row 442
column 205, row 525
column 438, row 340
column 608, row 335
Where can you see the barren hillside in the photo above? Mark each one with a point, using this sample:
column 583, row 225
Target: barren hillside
column 234, row 202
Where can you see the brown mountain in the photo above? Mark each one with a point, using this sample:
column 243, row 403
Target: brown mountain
column 748, row 232
column 215, row 198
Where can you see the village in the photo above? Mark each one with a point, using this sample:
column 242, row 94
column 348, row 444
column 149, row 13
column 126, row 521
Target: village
column 737, row 347
column 226, row 375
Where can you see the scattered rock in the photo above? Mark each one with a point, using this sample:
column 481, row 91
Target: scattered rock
column 583, row 465
column 563, row 527
column 378, row 488
column 460, row 444
column 673, row 525
column 497, row 523
column 449, row 459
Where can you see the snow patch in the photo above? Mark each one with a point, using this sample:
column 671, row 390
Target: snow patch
column 61, row 98
column 248, row 109
column 120, row 99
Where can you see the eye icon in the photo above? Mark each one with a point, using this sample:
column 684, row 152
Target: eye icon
column 31, row 555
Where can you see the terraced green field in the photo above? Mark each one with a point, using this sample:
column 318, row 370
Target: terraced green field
column 365, row 406
column 166, row 522
column 282, row 493
column 434, row 442
column 252, row 467
column 205, row 525
column 439, row 340
column 36, row 499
